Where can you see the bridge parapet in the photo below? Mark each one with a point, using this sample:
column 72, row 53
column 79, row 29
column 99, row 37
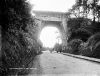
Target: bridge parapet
column 46, row 18
column 49, row 16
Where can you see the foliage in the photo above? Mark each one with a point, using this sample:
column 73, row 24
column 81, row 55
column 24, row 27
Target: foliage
column 95, row 27
column 82, row 8
column 79, row 28
column 74, row 45
column 80, row 34
column 96, row 49
column 94, row 39
column 19, row 46
column 14, row 13
column 74, row 24
column 85, row 50
column 91, row 47
column 83, row 28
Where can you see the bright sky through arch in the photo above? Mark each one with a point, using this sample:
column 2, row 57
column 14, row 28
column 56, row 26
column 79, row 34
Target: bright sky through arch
column 52, row 5
column 49, row 36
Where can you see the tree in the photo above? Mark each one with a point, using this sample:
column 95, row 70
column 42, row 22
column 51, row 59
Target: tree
column 83, row 8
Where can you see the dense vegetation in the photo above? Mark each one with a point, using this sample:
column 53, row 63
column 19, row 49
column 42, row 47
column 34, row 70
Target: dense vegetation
column 84, row 33
column 19, row 40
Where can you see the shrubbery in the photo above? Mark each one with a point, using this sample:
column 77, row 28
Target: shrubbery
column 73, row 46
column 93, row 42
column 94, row 39
column 19, row 47
column 15, row 53
column 84, row 50
column 86, row 30
column 91, row 47
column 96, row 52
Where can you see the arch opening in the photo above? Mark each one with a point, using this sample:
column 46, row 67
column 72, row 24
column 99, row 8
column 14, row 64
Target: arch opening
column 50, row 36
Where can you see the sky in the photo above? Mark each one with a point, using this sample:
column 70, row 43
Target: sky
column 49, row 36
column 52, row 5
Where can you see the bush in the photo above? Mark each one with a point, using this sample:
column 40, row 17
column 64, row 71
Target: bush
column 17, row 50
column 81, row 33
column 94, row 39
column 79, row 28
column 91, row 47
column 15, row 53
column 84, row 50
column 96, row 50
column 73, row 46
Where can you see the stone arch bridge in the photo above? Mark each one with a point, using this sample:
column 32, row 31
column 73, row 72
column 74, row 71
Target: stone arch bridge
column 56, row 19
